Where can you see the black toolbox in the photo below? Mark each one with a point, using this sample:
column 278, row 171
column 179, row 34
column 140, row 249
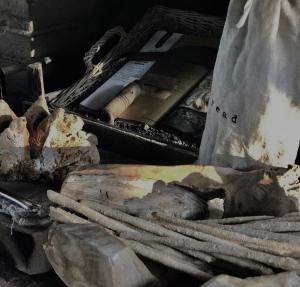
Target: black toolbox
column 148, row 149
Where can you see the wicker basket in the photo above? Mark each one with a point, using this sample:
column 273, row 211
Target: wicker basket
column 157, row 18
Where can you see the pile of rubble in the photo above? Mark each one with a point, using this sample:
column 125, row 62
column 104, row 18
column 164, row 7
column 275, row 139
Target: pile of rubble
column 102, row 224
column 43, row 145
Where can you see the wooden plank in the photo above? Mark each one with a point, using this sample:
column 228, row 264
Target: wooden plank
column 122, row 182
column 36, row 80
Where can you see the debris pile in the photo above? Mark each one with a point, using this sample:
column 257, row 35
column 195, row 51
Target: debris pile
column 43, row 145
column 121, row 200
column 260, row 245
column 152, row 94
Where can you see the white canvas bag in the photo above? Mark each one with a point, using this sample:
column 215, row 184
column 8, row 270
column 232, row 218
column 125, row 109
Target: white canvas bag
column 254, row 110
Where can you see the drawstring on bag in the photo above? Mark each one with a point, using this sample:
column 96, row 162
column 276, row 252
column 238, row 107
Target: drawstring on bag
column 247, row 9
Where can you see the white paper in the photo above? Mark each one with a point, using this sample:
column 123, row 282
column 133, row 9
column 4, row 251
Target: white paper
column 130, row 72
column 151, row 45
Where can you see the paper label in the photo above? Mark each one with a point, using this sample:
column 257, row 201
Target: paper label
column 130, row 72
column 158, row 44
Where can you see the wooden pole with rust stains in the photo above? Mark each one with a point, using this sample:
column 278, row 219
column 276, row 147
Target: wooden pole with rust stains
column 36, row 80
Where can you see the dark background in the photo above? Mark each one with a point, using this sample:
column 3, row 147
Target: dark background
column 126, row 13
column 120, row 13
column 66, row 68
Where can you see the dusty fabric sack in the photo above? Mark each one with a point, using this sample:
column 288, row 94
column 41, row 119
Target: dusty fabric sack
column 254, row 114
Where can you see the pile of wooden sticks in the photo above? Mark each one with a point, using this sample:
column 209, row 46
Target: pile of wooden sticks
column 260, row 245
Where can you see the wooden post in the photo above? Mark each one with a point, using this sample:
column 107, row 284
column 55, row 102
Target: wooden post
column 36, row 80
column 2, row 85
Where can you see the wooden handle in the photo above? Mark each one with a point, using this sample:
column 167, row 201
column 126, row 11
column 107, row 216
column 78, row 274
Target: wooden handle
column 120, row 104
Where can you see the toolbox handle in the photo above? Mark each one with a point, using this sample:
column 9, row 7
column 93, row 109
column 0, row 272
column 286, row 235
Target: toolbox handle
column 110, row 39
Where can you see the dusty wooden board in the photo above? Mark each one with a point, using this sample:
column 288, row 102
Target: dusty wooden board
column 121, row 182
column 250, row 193
column 168, row 199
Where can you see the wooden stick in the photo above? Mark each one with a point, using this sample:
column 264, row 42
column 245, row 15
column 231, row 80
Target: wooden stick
column 182, row 245
column 111, row 223
column 292, row 219
column 285, row 263
column 60, row 215
column 36, row 79
column 274, row 247
column 293, row 214
column 228, row 249
column 234, row 250
column 156, row 229
column 94, row 216
column 265, row 235
column 197, row 234
column 164, row 258
column 182, row 256
column 120, row 103
column 246, row 263
column 167, row 260
column 186, row 243
column 236, row 220
column 63, row 216
column 279, row 226
column 89, row 213
column 134, row 221
column 297, row 234
column 240, row 262
column 285, row 219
